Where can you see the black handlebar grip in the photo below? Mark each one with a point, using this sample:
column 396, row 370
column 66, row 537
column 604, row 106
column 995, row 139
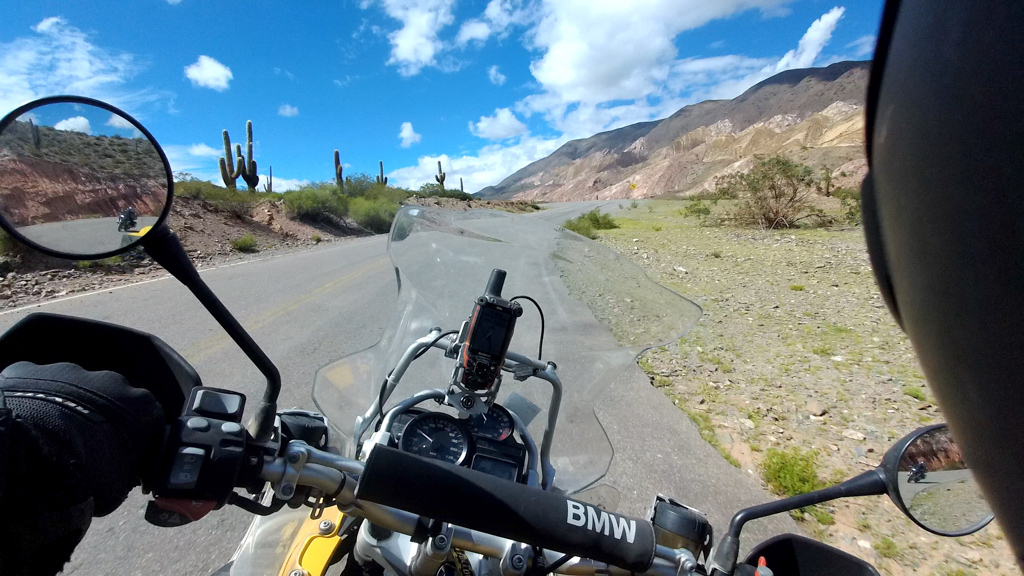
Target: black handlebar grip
column 495, row 283
column 489, row 504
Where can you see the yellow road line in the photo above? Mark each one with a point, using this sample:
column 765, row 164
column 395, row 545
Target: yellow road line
column 215, row 344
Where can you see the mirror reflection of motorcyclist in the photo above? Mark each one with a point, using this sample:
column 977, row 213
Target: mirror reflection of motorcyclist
column 127, row 219
column 940, row 196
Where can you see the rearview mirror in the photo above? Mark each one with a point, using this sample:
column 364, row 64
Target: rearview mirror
column 79, row 178
column 932, row 484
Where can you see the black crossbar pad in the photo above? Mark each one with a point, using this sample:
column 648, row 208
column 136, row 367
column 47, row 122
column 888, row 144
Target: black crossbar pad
column 489, row 504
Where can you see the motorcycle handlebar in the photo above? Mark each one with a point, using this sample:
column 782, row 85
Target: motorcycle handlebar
column 488, row 504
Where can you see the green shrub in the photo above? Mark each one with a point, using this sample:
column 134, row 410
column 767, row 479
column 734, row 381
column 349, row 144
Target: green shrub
column 697, row 209
column 915, row 392
column 776, row 192
column 246, row 243
column 849, row 198
column 316, row 202
column 796, row 287
column 233, row 201
column 792, row 471
column 586, row 224
column 316, row 238
column 7, row 244
column 887, row 548
column 656, row 227
column 373, row 214
column 433, row 190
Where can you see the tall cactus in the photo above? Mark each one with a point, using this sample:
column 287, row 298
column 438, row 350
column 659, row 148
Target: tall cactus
column 229, row 171
column 35, row 133
column 461, row 189
column 440, row 176
column 339, row 175
column 382, row 179
column 270, row 181
column 248, row 169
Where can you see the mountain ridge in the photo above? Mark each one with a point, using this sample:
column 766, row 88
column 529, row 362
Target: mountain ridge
column 679, row 153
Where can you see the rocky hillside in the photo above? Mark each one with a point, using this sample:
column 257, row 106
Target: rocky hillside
column 813, row 115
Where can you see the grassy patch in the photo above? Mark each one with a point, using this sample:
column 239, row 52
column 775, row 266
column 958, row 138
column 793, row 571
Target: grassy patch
column 792, row 471
column 887, row 548
column 797, row 287
column 707, row 432
column 915, row 392
column 315, row 202
column 373, row 214
column 588, row 224
column 246, row 243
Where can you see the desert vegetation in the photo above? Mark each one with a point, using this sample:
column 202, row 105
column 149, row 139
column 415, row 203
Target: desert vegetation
column 796, row 374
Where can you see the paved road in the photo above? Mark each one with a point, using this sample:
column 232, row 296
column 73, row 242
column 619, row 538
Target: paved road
column 309, row 308
column 86, row 236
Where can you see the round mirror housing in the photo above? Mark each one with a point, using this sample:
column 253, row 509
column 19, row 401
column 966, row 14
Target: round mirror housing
column 931, row 483
column 80, row 179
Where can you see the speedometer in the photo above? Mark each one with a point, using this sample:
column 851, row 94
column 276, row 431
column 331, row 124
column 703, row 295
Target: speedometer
column 495, row 424
column 436, row 436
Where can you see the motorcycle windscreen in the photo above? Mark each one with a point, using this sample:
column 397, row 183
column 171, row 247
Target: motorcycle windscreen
column 600, row 312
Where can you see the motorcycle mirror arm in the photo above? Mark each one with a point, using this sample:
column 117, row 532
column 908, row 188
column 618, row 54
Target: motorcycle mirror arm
column 870, row 483
column 163, row 246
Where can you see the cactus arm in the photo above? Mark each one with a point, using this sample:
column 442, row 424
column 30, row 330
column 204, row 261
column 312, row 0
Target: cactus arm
column 339, row 172
column 224, row 174
column 440, row 175
column 250, row 172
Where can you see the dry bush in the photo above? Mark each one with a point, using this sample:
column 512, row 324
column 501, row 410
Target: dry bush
column 775, row 193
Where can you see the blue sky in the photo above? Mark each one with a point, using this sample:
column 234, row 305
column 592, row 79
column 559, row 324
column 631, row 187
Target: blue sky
column 485, row 86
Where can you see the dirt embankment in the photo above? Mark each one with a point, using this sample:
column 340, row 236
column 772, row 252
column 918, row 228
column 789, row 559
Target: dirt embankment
column 205, row 230
column 37, row 191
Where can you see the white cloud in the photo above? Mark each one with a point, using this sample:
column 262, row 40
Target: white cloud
column 604, row 64
column 472, row 30
column 863, row 46
column 816, row 37
column 490, row 165
column 203, row 151
column 408, row 135
column 495, row 75
column 287, row 110
column 416, row 44
column 121, row 123
column 74, row 124
column 717, row 44
column 60, row 59
column 501, row 126
column 174, row 2
column 200, row 160
column 209, row 73
column 497, row 18
column 282, row 184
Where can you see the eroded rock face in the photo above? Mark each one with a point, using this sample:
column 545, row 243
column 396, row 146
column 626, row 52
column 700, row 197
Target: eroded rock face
column 38, row 191
column 814, row 116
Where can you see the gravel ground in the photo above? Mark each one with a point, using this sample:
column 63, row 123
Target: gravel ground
column 796, row 348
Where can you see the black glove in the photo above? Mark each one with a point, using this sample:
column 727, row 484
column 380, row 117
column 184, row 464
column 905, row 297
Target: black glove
column 73, row 444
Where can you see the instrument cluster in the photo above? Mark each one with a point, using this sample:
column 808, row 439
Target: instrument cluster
column 483, row 442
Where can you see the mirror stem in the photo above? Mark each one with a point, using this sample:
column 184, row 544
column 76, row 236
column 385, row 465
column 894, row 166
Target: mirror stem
column 724, row 558
column 163, row 246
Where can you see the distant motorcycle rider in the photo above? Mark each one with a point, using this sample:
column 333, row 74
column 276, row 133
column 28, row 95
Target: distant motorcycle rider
column 126, row 220
column 918, row 471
